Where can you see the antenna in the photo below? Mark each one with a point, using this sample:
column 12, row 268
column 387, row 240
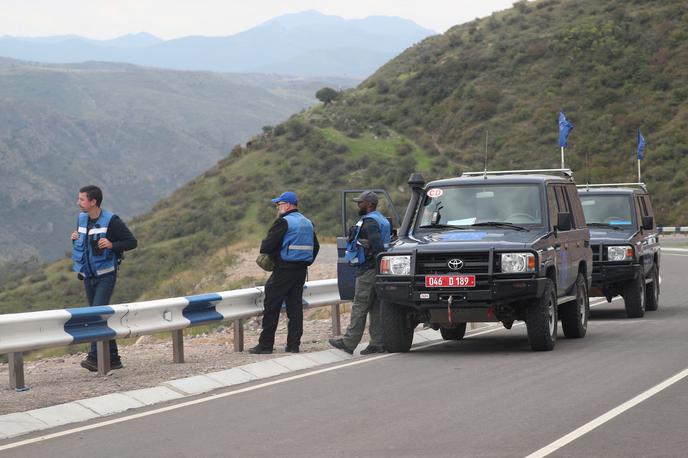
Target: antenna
column 587, row 166
column 487, row 133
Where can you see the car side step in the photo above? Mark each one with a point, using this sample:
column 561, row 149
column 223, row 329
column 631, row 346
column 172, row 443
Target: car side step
column 564, row 299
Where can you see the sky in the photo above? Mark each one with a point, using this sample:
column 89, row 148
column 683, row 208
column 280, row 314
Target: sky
column 166, row 19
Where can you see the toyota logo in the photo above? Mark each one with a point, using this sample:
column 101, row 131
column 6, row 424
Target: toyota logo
column 455, row 264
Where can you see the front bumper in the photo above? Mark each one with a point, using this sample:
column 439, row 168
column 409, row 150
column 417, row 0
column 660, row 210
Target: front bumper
column 491, row 295
column 605, row 274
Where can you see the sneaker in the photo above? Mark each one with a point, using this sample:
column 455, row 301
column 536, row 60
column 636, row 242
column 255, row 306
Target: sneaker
column 90, row 364
column 291, row 349
column 258, row 350
column 370, row 349
column 116, row 364
column 339, row 343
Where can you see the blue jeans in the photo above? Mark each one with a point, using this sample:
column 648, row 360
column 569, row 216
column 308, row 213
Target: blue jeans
column 98, row 292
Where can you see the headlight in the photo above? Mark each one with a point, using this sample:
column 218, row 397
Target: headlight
column 395, row 265
column 620, row 253
column 518, row 262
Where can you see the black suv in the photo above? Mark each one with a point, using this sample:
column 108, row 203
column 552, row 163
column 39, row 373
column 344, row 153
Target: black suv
column 625, row 245
column 488, row 247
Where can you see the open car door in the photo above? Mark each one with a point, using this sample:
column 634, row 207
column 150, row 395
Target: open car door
column 346, row 274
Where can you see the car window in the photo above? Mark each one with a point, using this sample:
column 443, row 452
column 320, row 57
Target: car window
column 614, row 209
column 466, row 205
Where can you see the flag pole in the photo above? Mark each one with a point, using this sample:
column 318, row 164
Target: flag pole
column 639, row 180
column 562, row 157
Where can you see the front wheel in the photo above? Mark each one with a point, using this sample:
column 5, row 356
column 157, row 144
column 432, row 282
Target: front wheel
column 574, row 315
column 456, row 332
column 397, row 331
column 541, row 320
column 652, row 290
column 634, row 297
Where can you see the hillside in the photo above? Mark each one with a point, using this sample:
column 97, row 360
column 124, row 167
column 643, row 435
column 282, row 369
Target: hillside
column 306, row 44
column 140, row 133
column 612, row 67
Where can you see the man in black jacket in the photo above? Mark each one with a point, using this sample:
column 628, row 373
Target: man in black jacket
column 292, row 243
column 97, row 246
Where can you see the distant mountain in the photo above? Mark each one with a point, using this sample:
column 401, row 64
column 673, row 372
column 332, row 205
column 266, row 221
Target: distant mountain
column 138, row 132
column 307, row 44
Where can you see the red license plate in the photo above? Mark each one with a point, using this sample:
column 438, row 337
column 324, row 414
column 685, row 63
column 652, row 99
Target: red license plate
column 450, row 281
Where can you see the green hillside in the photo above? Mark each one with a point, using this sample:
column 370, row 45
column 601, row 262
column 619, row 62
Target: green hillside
column 139, row 133
column 612, row 66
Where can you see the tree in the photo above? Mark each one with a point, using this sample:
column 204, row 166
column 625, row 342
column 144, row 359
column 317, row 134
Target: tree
column 326, row 95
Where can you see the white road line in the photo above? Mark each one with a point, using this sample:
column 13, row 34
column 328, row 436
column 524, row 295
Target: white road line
column 602, row 419
column 677, row 250
column 675, row 254
column 212, row 397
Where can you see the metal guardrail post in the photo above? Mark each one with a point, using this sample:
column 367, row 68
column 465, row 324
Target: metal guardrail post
column 103, row 353
column 336, row 320
column 178, row 346
column 16, row 363
column 238, row 335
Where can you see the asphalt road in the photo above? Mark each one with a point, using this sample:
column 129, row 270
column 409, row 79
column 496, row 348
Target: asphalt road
column 488, row 395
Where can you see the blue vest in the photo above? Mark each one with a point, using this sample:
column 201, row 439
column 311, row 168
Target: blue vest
column 297, row 244
column 87, row 258
column 355, row 252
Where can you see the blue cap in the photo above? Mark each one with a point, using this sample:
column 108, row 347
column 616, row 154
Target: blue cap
column 288, row 197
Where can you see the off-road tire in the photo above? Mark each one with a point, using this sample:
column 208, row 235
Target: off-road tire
column 541, row 320
column 634, row 297
column 456, row 332
column 397, row 332
column 652, row 291
column 574, row 315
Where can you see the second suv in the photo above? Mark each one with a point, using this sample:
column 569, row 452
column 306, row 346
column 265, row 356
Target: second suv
column 625, row 243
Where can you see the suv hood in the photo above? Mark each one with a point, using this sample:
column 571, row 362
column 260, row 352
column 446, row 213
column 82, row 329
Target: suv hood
column 470, row 239
column 600, row 235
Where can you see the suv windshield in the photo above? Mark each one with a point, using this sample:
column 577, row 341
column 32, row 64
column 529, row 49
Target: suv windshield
column 517, row 204
column 609, row 209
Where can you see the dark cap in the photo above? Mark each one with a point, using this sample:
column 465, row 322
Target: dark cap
column 367, row 196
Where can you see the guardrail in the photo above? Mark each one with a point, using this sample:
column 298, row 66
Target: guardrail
column 672, row 229
column 22, row 332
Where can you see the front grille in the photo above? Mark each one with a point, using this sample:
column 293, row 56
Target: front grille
column 596, row 253
column 436, row 264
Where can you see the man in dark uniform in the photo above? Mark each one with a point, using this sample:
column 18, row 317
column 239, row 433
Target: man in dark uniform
column 97, row 246
column 292, row 243
column 368, row 238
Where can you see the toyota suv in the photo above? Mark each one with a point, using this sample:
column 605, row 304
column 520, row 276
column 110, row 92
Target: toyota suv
column 488, row 247
column 625, row 244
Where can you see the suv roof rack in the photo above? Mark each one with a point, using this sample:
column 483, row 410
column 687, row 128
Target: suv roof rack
column 566, row 172
column 642, row 186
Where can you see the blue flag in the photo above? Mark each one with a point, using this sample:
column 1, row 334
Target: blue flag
column 565, row 128
column 641, row 146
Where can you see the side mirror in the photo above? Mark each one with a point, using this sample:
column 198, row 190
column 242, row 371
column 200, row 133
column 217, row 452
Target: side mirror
column 648, row 223
column 563, row 221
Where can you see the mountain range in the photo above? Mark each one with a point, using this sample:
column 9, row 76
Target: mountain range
column 304, row 44
column 139, row 133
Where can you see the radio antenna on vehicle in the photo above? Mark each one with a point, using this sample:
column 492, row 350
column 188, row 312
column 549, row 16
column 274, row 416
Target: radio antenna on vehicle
column 587, row 167
column 487, row 133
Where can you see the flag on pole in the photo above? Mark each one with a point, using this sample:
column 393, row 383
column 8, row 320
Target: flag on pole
column 641, row 146
column 565, row 128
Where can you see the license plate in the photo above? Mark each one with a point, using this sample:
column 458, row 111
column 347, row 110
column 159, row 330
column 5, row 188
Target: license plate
column 450, row 281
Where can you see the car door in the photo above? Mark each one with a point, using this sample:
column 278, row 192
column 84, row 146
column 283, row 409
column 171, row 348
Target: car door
column 346, row 274
column 562, row 245
column 580, row 236
column 649, row 235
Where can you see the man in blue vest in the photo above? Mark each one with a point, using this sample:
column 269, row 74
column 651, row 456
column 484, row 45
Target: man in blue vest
column 97, row 246
column 292, row 243
column 368, row 238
